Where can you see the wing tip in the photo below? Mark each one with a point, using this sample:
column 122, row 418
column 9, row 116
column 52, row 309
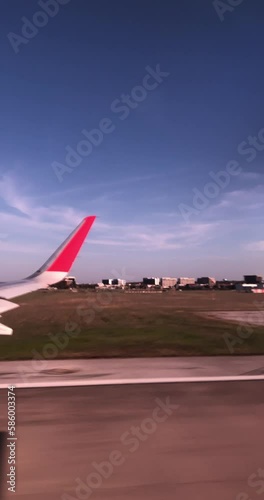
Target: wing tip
column 89, row 218
column 66, row 254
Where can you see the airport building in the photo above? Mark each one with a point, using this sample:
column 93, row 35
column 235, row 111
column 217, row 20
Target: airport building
column 226, row 284
column 113, row 282
column 252, row 283
column 151, row 281
column 253, row 279
column 68, row 282
column 206, row 281
column 246, row 287
column 118, row 282
column 186, row 281
column 168, row 282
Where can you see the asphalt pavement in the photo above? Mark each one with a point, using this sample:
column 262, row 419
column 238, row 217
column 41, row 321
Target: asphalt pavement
column 201, row 441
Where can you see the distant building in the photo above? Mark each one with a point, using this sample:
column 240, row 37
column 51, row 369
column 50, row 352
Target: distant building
column 226, row 284
column 252, row 283
column 107, row 282
column 206, row 281
column 253, row 279
column 151, row 281
column 118, row 282
column 113, row 282
column 68, row 282
column 186, row 281
column 168, row 282
column 134, row 284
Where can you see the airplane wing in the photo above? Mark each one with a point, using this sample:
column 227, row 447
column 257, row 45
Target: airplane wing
column 52, row 271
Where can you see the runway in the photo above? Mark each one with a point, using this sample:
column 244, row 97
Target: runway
column 140, row 442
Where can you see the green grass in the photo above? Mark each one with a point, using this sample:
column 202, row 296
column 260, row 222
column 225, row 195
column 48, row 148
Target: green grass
column 112, row 324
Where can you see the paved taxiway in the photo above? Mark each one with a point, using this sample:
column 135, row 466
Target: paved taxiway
column 207, row 448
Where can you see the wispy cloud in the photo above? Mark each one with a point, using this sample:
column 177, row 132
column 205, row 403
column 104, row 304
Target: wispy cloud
column 35, row 220
column 155, row 237
column 94, row 187
column 245, row 204
column 10, row 196
column 54, row 216
column 159, row 236
column 255, row 246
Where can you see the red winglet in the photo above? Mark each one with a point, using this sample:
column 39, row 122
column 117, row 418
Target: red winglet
column 67, row 253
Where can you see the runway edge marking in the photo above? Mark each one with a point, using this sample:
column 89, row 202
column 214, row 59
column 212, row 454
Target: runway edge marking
column 169, row 380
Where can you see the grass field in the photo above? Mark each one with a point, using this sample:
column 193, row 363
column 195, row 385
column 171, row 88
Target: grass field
column 62, row 324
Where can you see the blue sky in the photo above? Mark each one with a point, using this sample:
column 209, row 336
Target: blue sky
column 67, row 76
